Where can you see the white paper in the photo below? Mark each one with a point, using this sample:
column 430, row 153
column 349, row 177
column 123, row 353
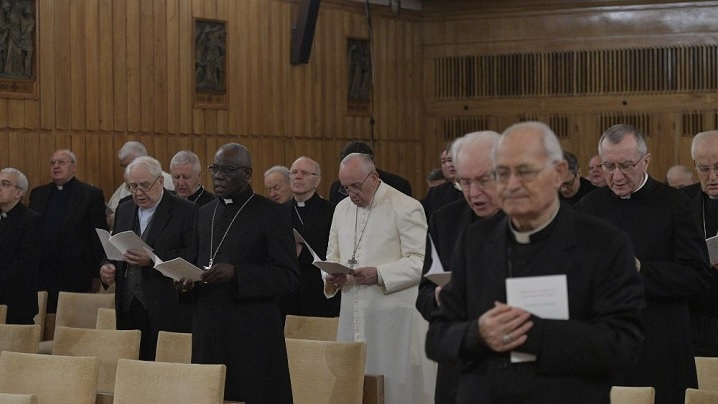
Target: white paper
column 111, row 251
column 436, row 272
column 121, row 243
column 440, row 279
column 712, row 244
column 329, row 267
column 543, row 296
column 178, row 268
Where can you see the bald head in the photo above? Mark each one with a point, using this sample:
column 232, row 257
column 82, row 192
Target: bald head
column 679, row 176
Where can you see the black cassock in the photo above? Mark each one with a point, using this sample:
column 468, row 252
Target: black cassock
column 238, row 323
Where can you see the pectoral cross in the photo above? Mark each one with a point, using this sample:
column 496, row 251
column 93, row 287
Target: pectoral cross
column 352, row 262
column 209, row 266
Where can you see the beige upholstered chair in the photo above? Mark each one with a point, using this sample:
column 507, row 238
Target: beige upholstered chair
column 3, row 313
column 168, row 383
column 707, row 371
column 106, row 319
column 41, row 311
column 53, row 379
column 314, row 328
column 175, row 347
column 7, row 398
column 107, row 345
column 632, row 395
column 326, row 371
column 78, row 310
column 700, row 396
column 19, row 337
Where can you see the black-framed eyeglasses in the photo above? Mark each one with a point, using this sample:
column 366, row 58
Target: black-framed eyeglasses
column 303, row 173
column 705, row 171
column 523, row 174
column 626, row 167
column 225, row 170
column 353, row 188
column 482, row 182
column 133, row 188
column 7, row 184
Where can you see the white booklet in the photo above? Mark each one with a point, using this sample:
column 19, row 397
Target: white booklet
column 436, row 272
column 329, row 267
column 712, row 244
column 119, row 243
column 177, row 268
column 543, row 296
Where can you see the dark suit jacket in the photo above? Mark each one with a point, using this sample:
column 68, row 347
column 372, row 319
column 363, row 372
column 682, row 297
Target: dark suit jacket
column 171, row 235
column 440, row 196
column 576, row 359
column 394, row 180
column 80, row 247
column 19, row 239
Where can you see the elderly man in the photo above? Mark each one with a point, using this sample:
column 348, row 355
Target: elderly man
column 71, row 211
column 380, row 233
column 185, row 171
column 679, row 176
column 595, row 174
column 671, row 257
column 247, row 247
column 276, row 181
column 444, row 194
column 574, row 358
column 574, row 187
column 19, row 243
column 312, row 218
column 473, row 161
column 704, row 199
column 145, row 299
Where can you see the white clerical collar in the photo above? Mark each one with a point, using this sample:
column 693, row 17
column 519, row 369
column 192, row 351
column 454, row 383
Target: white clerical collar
column 227, row 201
column 524, row 237
column 645, row 180
column 301, row 204
column 59, row 187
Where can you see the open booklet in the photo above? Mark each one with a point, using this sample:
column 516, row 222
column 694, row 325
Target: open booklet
column 177, row 268
column 119, row 243
column 326, row 266
column 436, row 272
column 712, row 243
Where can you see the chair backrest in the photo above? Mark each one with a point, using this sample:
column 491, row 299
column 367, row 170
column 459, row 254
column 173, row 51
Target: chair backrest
column 107, row 345
column 700, row 396
column 41, row 311
column 79, row 310
column 7, row 398
column 168, row 383
column 707, row 371
column 19, row 337
column 326, row 371
column 632, row 395
column 314, row 328
column 106, row 319
column 175, row 347
column 53, row 379
column 3, row 313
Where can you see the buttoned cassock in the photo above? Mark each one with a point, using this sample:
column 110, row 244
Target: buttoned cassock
column 384, row 316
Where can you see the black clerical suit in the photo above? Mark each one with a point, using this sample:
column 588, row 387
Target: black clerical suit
column 583, row 189
column 666, row 237
column 703, row 307
column 576, row 358
column 312, row 219
column 394, row 180
column 19, row 242
column 71, row 251
column 171, row 234
column 201, row 197
column 239, row 323
column 440, row 196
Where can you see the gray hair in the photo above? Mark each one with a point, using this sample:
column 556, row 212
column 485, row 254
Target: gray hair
column 472, row 140
column 132, row 148
column 317, row 168
column 278, row 169
column 153, row 166
column 551, row 145
column 367, row 162
column 21, row 178
column 616, row 133
column 185, row 157
column 69, row 153
column 702, row 138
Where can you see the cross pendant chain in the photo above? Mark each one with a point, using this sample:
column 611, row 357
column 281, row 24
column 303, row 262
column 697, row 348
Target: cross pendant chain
column 352, row 263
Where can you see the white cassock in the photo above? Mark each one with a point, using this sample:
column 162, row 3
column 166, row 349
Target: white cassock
column 384, row 316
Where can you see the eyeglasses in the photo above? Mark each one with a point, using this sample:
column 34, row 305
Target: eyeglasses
column 626, row 167
column 569, row 183
column 447, row 161
column 133, row 188
column 303, row 173
column 353, row 188
column 225, row 170
column 523, row 174
column 705, row 171
column 7, row 184
column 482, row 182
column 60, row 162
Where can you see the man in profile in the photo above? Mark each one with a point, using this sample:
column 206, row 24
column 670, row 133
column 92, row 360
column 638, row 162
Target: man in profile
column 574, row 187
column 276, row 181
column 19, row 249
column 247, row 247
column 71, row 211
column 569, row 360
column 185, row 170
column 145, row 299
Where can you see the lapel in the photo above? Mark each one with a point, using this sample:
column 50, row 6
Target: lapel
column 160, row 218
column 8, row 224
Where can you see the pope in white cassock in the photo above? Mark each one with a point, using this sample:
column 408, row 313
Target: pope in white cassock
column 381, row 233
